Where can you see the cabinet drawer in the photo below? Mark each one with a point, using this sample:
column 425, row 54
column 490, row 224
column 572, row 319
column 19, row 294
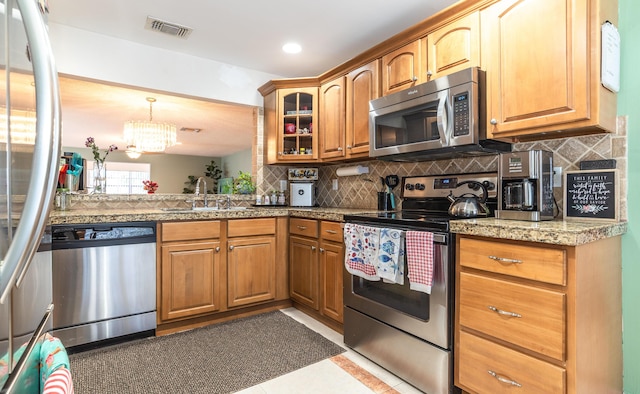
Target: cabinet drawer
column 246, row 227
column 187, row 231
column 524, row 261
column 479, row 359
column 539, row 326
column 304, row 227
column 331, row 231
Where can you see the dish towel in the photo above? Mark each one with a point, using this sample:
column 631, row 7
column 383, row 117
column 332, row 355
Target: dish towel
column 390, row 258
column 361, row 245
column 420, row 260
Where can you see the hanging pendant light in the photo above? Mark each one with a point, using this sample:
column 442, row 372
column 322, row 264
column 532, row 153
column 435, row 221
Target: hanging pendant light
column 148, row 136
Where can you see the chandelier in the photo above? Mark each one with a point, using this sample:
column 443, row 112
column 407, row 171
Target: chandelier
column 23, row 126
column 143, row 136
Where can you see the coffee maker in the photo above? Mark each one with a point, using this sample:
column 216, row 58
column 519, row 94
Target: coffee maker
column 526, row 186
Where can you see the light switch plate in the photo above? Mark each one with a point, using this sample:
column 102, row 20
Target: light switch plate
column 557, row 176
column 334, row 184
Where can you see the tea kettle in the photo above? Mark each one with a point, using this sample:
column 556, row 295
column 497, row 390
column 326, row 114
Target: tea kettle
column 468, row 205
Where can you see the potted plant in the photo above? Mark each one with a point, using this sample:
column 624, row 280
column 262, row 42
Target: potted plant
column 243, row 184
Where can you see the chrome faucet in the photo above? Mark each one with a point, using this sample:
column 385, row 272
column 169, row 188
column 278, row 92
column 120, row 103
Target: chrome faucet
column 197, row 192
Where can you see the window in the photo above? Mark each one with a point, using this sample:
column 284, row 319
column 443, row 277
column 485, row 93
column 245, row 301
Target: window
column 124, row 178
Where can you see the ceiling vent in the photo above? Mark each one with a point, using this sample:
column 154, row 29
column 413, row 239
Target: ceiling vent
column 167, row 27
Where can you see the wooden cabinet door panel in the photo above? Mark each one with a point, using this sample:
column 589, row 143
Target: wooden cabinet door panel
column 190, row 279
column 332, row 120
column 481, row 363
column 486, row 305
column 401, row 68
column 363, row 85
column 303, row 271
column 523, row 261
column 251, row 269
column 536, row 57
column 453, row 47
column 331, row 266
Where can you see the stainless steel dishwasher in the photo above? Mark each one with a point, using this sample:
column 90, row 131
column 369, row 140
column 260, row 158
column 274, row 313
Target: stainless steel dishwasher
column 104, row 281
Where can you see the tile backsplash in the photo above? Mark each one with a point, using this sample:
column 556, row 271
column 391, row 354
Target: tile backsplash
column 360, row 191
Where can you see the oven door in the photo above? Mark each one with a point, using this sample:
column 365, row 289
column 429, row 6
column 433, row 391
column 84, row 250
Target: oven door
column 426, row 316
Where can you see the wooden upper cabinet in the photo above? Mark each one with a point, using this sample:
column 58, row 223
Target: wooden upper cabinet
column 453, row 47
column 331, row 119
column 542, row 63
column 402, row 68
column 363, row 85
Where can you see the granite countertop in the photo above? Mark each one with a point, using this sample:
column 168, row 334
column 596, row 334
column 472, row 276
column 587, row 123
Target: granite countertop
column 156, row 214
column 557, row 232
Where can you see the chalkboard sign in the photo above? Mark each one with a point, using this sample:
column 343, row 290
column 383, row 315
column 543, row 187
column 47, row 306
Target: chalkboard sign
column 591, row 195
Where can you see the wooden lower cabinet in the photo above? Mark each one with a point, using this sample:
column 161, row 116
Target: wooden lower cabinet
column 538, row 318
column 214, row 269
column 316, row 260
column 190, row 279
column 303, row 271
column 251, row 270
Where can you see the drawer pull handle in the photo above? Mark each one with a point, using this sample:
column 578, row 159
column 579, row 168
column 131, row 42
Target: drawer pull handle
column 504, row 313
column 302, row 227
column 504, row 380
column 505, row 260
column 332, row 231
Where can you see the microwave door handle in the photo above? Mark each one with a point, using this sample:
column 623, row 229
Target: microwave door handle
column 443, row 120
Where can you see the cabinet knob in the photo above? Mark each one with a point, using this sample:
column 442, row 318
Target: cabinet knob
column 279, row 153
column 348, row 146
column 313, row 248
column 414, row 78
column 429, row 73
column 339, row 149
column 217, row 248
column 321, row 250
column 493, row 121
column 504, row 380
column 230, row 247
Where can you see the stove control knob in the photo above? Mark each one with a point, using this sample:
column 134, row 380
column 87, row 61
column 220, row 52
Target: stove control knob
column 408, row 186
column 489, row 185
column 420, row 186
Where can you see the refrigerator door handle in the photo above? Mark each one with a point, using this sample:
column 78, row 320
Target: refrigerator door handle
column 22, row 362
column 46, row 153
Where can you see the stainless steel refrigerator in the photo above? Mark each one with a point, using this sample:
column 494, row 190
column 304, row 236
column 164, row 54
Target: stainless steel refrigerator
column 29, row 151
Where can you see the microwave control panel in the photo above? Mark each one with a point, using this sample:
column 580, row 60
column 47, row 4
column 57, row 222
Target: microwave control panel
column 461, row 114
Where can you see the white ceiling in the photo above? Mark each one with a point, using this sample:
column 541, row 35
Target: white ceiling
column 243, row 33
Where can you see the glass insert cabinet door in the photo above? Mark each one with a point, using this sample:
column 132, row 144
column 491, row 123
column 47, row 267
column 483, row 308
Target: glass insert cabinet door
column 297, row 125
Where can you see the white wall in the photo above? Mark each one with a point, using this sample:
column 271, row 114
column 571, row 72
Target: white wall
column 95, row 56
column 232, row 164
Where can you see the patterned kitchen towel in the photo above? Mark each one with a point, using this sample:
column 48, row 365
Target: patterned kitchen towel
column 360, row 250
column 390, row 258
column 420, row 260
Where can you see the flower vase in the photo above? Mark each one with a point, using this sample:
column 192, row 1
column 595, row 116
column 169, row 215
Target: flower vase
column 99, row 177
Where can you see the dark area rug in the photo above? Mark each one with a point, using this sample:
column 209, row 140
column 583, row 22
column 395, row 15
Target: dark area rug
column 222, row 358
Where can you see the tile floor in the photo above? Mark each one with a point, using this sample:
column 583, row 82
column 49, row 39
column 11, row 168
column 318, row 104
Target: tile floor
column 348, row 372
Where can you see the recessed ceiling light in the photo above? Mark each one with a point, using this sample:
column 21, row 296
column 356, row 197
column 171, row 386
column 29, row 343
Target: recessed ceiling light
column 291, row 47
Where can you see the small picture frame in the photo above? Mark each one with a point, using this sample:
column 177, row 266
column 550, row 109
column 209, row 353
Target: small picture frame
column 591, row 195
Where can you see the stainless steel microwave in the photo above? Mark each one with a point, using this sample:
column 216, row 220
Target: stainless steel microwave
column 438, row 119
